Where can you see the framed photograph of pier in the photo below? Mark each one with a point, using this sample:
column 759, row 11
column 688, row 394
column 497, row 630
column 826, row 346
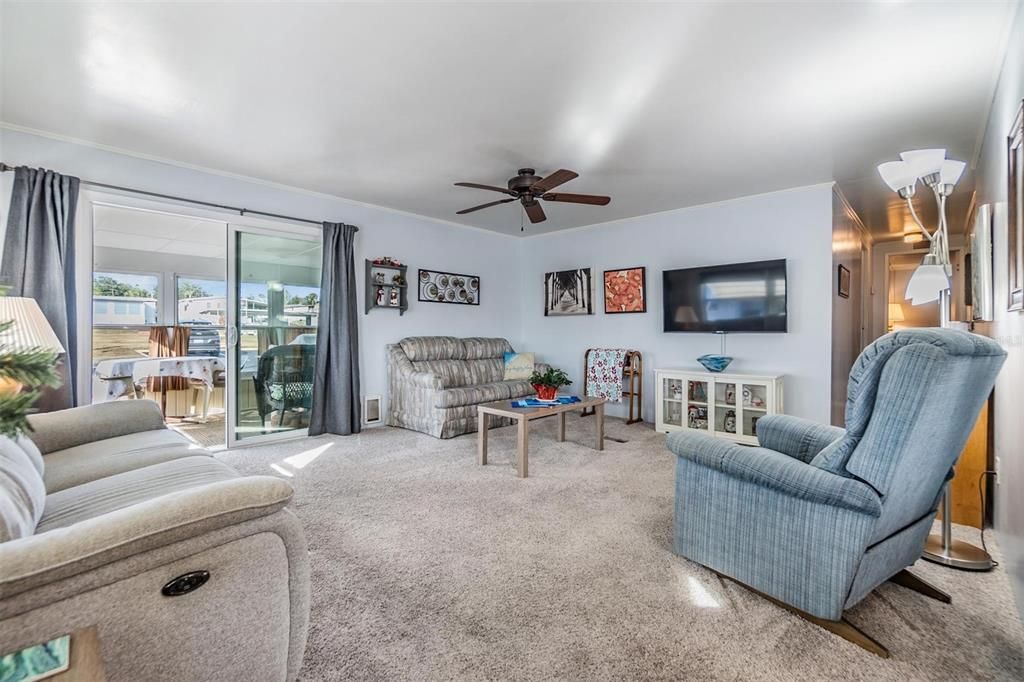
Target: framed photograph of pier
column 568, row 292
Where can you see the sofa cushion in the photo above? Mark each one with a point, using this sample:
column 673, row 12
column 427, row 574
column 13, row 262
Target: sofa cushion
column 432, row 348
column 455, row 373
column 91, row 461
column 473, row 395
column 22, row 492
column 481, row 348
column 131, row 487
column 63, row 429
column 520, row 388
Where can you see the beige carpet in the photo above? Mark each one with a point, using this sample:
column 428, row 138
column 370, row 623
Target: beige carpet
column 426, row 566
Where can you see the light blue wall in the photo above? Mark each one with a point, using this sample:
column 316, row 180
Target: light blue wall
column 416, row 241
column 793, row 224
column 1008, row 327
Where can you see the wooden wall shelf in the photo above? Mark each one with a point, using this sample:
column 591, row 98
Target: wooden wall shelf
column 387, row 286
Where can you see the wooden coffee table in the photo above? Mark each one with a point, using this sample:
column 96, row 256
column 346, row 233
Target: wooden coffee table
column 523, row 416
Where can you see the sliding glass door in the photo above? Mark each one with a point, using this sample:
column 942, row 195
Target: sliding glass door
column 273, row 307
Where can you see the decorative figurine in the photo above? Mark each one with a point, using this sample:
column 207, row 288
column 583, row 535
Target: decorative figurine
column 730, row 394
column 394, row 298
column 691, row 417
column 730, row 421
column 378, row 278
column 380, row 295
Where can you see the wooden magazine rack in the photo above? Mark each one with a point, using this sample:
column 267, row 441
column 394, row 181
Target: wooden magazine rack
column 633, row 373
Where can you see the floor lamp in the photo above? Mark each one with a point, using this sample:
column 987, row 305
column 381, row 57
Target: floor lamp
column 930, row 282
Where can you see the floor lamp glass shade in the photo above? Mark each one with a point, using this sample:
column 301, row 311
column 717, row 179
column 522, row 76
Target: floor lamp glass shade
column 927, row 282
column 951, row 172
column 924, row 162
column 897, row 174
column 30, row 328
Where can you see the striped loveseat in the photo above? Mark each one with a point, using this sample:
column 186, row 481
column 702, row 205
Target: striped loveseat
column 436, row 382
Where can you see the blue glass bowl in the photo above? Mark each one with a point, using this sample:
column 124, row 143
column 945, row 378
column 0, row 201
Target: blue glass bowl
column 714, row 363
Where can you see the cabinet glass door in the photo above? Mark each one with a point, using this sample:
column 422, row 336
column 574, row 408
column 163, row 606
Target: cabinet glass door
column 672, row 401
column 754, row 399
column 725, row 407
column 697, row 405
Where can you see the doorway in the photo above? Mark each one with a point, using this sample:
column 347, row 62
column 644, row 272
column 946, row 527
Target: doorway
column 274, row 310
column 214, row 321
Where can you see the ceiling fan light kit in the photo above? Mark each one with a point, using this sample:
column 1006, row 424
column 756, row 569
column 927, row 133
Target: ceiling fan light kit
column 527, row 187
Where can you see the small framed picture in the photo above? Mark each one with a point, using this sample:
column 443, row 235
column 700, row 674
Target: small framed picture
column 625, row 290
column 844, row 281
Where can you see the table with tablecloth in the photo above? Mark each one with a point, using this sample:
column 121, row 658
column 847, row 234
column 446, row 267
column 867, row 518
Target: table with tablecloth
column 117, row 377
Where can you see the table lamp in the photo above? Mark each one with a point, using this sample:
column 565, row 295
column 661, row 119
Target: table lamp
column 29, row 331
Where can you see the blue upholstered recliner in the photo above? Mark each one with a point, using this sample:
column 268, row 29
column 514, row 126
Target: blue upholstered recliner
column 817, row 516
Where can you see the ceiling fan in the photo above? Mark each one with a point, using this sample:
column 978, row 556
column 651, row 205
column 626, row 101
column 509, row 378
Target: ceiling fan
column 527, row 187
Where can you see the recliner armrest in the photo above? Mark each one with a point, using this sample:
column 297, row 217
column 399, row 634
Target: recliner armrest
column 796, row 437
column 776, row 471
column 63, row 552
column 63, row 429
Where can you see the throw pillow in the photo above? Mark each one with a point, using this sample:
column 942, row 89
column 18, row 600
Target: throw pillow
column 518, row 366
column 22, row 493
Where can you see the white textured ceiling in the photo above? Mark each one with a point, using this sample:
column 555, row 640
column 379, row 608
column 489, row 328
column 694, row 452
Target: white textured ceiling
column 660, row 106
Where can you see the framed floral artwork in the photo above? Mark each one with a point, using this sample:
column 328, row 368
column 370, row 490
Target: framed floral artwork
column 625, row 291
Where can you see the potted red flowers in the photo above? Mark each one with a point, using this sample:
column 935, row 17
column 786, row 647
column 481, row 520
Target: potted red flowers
column 547, row 383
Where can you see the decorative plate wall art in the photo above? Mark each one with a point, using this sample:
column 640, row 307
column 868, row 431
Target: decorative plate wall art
column 625, row 291
column 568, row 292
column 449, row 287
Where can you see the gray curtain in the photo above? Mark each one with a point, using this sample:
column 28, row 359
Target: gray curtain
column 336, row 406
column 39, row 262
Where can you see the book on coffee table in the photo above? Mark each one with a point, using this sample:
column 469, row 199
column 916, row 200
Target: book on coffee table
column 537, row 402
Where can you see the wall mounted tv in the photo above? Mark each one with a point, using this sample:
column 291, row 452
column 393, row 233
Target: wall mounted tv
column 742, row 297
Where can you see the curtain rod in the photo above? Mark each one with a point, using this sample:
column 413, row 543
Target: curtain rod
column 235, row 209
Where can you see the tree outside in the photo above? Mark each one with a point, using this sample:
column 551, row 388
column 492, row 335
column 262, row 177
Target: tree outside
column 104, row 285
column 191, row 290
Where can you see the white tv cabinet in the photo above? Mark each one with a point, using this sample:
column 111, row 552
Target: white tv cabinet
column 718, row 404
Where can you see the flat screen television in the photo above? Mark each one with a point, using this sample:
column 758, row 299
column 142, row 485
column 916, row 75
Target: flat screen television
column 741, row 297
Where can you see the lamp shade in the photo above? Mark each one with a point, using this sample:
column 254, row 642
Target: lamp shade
column 926, row 283
column 951, row 172
column 896, row 313
column 924, row 162
column 897, row 174
column 30, row 328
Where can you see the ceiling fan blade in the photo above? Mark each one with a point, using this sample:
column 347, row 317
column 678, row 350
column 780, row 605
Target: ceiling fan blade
column 475, row 185
column 553, row 180
column 535, row 212
column 487, row 205
column 592, row 199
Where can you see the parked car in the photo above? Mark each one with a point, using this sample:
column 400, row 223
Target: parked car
column 204, row 339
